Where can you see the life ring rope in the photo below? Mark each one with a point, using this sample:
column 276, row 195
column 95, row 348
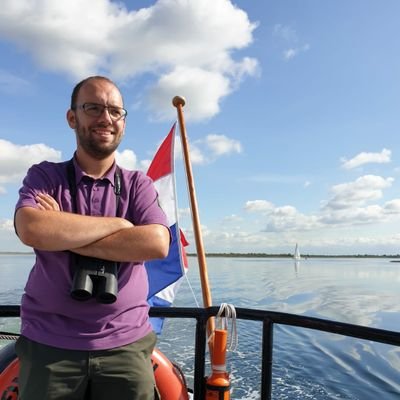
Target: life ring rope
column 218, row 383
column 226, row 317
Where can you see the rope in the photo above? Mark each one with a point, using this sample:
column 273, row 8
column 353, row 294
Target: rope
column 226, row 314
column 191, row 289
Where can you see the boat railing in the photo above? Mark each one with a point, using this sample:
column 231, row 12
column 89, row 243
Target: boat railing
column 268, row 320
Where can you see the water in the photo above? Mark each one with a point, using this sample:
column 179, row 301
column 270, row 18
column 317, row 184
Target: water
column 307, row 364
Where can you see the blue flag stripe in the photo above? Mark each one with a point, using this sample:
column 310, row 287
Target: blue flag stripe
column 164, row 272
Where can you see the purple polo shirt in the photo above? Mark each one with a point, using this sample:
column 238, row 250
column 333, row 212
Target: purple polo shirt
column 48, row 313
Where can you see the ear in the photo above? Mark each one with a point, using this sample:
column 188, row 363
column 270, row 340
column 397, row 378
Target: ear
column 71, row 118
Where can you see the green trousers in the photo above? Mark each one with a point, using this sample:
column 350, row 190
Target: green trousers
column 49, row 373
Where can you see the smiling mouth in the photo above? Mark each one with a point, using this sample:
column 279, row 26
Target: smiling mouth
column 102, row 132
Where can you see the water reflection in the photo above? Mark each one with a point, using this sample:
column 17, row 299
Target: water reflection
column 296, row 267
column 358, row 291
column 349, row 290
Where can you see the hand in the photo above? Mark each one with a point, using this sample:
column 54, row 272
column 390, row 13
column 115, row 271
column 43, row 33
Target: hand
column 46, row 203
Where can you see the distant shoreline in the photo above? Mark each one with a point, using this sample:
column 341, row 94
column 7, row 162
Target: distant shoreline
column 303, row 257
column 252, row 255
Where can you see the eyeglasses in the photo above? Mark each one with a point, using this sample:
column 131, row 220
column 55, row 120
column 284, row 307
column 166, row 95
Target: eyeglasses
column 95, row 110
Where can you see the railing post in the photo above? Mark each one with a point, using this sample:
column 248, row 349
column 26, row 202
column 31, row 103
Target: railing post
column 200, row 358
column 266, row 359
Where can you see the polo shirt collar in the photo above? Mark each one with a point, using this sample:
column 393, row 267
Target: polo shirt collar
column 80, row 174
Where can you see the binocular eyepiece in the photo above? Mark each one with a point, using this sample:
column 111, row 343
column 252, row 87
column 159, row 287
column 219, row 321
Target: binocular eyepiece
column 94, row 277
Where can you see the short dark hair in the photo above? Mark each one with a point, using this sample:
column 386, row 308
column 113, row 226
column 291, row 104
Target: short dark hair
column 77, row 88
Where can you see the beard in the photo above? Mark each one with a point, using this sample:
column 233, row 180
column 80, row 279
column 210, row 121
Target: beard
column 92, row 145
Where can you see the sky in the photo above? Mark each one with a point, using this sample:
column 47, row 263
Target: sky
column 292, row 111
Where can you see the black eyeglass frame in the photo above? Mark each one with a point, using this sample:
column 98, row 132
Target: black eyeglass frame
column 101, row 107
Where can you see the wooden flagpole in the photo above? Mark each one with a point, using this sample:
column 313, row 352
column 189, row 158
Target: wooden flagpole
column 179, row 102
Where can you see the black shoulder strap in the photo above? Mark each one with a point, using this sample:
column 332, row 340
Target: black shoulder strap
column 72, row 185
column 117, row 187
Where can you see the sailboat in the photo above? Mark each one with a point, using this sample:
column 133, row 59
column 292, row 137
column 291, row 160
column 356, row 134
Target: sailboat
column 296, row 255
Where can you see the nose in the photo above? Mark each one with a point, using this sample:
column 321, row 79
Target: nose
column 105, row 116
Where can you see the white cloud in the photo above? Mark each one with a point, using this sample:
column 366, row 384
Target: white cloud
column 16, row 159
column 288, row 54
column 8, row 238
column 213, row 146
column 349, row 206
column 7, row 225
column 226, row 240
column 186, row 46
column 202, row 151
column 220, row 145
column 126, row 159
column 392, row 206
column 290, row 39
column 287, row 218
column 196, row 155
column 204, row 88
column 353, row 215
column 358, row 192
column 365, row 158
column 259, row 206
column 232, row 219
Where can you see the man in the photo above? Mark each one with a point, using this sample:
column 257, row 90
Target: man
column 78, row 213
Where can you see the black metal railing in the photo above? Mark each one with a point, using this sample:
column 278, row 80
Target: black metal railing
column 268, row 319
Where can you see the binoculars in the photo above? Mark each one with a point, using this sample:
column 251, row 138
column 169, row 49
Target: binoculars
column 94, row 277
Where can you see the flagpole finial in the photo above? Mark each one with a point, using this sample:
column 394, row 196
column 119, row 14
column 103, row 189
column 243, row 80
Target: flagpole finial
column 178, row 101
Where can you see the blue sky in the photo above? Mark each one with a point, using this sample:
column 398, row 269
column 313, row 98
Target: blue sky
column 292, row 110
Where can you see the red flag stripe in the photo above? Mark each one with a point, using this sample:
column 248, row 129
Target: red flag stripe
column 161, row 164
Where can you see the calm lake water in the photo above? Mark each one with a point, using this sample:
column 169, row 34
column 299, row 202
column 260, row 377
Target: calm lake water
column 307, row 364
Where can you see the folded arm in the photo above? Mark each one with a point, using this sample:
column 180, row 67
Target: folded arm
column 110, row 238
column 139, row 243
column 57, row 230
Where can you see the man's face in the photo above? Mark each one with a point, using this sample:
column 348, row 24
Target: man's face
column 97, row 136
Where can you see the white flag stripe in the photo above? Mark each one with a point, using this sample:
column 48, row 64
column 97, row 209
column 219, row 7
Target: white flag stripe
column 165, row 189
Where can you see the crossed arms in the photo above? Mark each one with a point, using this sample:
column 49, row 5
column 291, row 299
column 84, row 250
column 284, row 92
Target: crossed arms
column 110, row 238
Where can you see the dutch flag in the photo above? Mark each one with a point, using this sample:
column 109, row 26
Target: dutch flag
column 166, row 275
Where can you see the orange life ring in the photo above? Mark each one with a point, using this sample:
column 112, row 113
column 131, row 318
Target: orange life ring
column 170, row 381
